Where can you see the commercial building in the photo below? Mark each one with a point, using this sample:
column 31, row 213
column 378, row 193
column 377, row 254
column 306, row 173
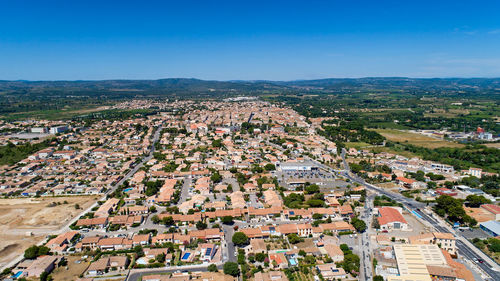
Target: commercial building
column 413, row 261
column 491, row 227
column 390, row 218
column 297, row 166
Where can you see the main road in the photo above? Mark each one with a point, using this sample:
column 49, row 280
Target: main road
column 465, row 248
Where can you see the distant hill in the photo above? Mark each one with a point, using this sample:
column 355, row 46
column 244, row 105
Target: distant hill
column 196, row 86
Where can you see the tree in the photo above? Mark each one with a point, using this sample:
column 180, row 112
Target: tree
column 201, row 225
column 240, row 238
column 475, row 201
column 160, row 257
column 227, row 220
column 311, row 189
column 155, row 219
column 212, row 268
column 231, row 268
column 378, row 278
column 360, row 225
column 168, row 220
column 216, row 177
column 317, row 216
column 293, row 238
column 260, row 257
column 270, row 167
column 45, row 276
column 35, row 251
column 494, row 245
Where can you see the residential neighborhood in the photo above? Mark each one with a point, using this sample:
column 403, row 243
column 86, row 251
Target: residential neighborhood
column 243, row 189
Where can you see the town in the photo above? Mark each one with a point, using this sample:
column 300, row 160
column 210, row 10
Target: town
column 237, row 189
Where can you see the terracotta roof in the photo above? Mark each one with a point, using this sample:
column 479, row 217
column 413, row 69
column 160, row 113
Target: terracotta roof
column 388, row 215
column 491, row 208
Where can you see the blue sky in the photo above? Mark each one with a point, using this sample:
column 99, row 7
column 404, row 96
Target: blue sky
column 226, row 40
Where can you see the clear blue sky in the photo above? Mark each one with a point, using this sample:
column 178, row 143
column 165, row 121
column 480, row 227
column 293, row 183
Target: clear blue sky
column 225, row 40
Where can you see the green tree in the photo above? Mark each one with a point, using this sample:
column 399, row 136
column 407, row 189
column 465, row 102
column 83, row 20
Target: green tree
column 240, row 238
column 201, row 225
column 260, row 257
column 270, row 167
column 212, row 268
column 160, row 258
column 378, row 278
column 231, row 268
column 360, row 225
column 45, row 276
column 293, row 238
column 227, row 220
column 475, row 201
column 216, row 177
column 168, row 221
column 311, row 189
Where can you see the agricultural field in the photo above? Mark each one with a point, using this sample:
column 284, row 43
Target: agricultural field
column 27, row 221
column 495, row 145
column 415, row 139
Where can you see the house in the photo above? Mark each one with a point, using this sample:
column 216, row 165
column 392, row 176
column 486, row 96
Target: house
column 141, row 239
column 40, row 265
column 207, row 251
column 94, row 222
column 88, row 242
column 278, row 260
column 337, row 226
column 105, row 264
column 446, row 191
column 330, row 271
column 60, row 243
column 151, row 253
column 390, row 218
column 107, row 207
column 334, row 252
column 256, row 246
column 405, row 182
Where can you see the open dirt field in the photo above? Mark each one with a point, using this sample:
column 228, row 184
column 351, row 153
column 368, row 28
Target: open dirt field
column 27, row 221
column 415, row 139
column 73, row 269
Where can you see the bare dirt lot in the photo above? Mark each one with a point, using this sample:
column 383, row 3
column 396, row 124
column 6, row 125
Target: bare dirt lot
column 27, row 221
column 73, row 270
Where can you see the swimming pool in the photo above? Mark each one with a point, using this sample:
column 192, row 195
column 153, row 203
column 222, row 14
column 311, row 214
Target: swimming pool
column 17, row 274
column 292, row 261
column 185, row 256
column 127, row 189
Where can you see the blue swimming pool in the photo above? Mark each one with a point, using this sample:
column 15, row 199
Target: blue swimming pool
column 127, row 189
column 17, row 274
column 292, row 261
column 185, row 256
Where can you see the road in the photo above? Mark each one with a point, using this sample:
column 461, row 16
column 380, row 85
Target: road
column 366, row 270
column 185, row 189
column 465, row 248
column 137, row 274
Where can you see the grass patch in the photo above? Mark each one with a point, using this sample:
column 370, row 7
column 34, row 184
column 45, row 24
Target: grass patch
column 415, row 139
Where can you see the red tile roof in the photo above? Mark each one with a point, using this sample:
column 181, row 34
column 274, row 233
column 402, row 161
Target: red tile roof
column 388, row 215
